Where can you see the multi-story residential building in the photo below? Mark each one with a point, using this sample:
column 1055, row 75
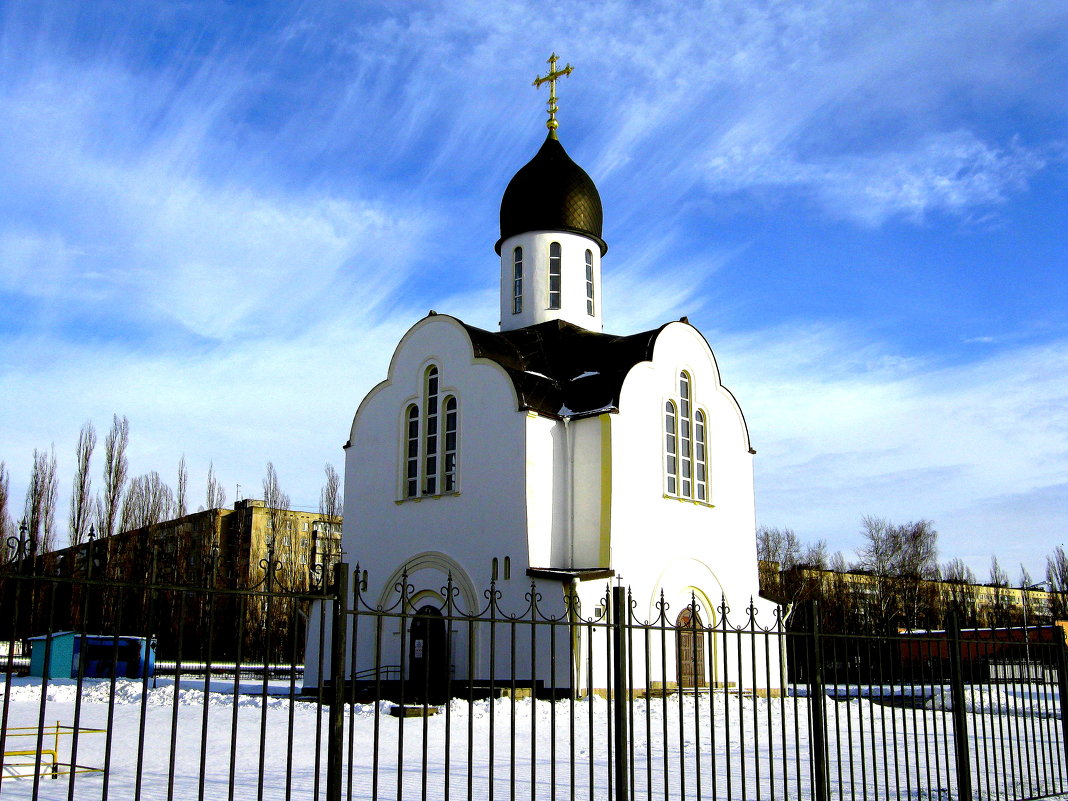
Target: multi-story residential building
column 859, row 599
column 220, row 565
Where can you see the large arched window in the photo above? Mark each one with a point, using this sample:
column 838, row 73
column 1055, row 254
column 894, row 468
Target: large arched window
column 517, row 280
column 685, row 445
column 431, row 441
column 555, row 277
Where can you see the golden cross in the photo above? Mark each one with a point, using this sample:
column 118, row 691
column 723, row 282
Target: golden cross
column 554, row 73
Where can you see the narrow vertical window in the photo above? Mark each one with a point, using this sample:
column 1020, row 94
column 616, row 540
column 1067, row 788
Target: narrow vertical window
column 507, row 567
column 430, row 452
column 451, row 425
column 671, row 448
column 411, row 460
column 554, row 275
column 700, row 462
column 431, row 441
column 493, row 569
column 589, row 282
column 517, row 280
column 685, row 438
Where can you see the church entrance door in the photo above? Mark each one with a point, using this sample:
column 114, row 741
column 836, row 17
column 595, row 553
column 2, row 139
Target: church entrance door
column 428, row 658
column 691, row 654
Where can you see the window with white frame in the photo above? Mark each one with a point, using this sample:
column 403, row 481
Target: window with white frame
column 700, row 460
column 431, row 433
column 517, row 280
column 431, row 441
column 555, row 277
column 589, row 282
column 411, row 460
column 671, row 447
column 685, row 444
column 449, row 455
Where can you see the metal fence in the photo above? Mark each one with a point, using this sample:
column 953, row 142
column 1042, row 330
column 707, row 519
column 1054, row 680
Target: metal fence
column 423, row 696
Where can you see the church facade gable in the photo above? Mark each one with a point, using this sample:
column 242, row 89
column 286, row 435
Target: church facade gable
column 647, row 507
column 407, row 481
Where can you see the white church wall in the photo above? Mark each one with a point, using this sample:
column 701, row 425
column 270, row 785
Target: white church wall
column 591, row 487
column 653, row 533
column 536, row 309
column 485, row 520
column 720, row 533
column 544, row 515
column 736, row 658
column 485, row 517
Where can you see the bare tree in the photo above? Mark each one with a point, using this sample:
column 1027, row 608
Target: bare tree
column 216, row 494
column 81, row 497
column 148, row 500
column 115, row 470
column 7, row 529
column 183, row 483
column 40, row 507
column 958, row 584
column 330, row 501
column 1057, row 576
column 326, row 547
column 999, row 582
column 790, row 571
column 840, row 598
column 277, row 503
column 273, row 497
column 1027, row 599
column 899, row 557
column 777, row 551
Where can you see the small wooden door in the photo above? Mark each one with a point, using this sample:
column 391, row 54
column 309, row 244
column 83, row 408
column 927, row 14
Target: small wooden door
column 428, row 658
column 690, row 634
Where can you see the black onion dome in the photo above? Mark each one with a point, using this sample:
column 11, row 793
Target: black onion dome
column 551, row 193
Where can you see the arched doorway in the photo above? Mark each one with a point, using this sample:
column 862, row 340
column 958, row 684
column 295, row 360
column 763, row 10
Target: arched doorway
column 428, row 658
column 690, row 636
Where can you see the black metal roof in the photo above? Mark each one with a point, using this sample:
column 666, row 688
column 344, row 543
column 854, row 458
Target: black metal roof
column 551, row 193
column 561, row 370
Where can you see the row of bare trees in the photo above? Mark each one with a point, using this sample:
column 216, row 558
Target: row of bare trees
column 897, row 582
column 122, row 503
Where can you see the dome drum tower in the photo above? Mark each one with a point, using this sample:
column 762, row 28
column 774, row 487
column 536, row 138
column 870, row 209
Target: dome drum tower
column 550, row 275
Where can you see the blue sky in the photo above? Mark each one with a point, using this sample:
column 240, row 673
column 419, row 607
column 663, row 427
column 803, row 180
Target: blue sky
column 218, row 218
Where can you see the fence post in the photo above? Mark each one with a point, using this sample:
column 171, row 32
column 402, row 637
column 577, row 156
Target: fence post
column 1062, row 688
column 817, row 721
column 620, row 692
column 960, row 715
column 336, row 720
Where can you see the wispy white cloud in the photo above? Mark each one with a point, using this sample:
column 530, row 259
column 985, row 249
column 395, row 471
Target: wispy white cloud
column 952, row 173
column 289, row 400
column 843, row 430
column 150, row 228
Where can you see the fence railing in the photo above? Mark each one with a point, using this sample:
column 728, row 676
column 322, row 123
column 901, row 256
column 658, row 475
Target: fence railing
column 422, row 693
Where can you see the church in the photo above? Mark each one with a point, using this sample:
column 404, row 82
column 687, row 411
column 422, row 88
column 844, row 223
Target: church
column 549, row 456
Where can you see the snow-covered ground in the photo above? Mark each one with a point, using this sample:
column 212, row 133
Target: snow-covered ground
column 208, row 744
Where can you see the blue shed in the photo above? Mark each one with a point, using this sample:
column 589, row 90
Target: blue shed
column 103, row 655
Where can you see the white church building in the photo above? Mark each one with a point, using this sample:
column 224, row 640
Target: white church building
column 550, row 454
